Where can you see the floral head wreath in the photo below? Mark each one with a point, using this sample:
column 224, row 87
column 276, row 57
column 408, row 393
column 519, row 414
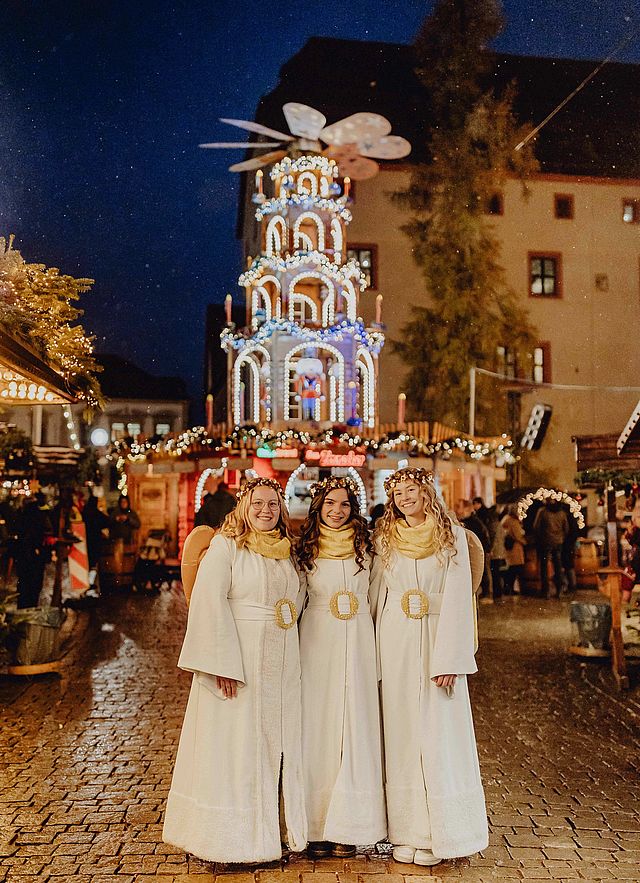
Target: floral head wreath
column 333, row 482
column 420, row 476
column 259, row 482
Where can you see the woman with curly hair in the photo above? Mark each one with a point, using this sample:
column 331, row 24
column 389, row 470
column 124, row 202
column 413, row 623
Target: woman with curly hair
column 237, row 788
column 341, row 747
column 426, row 644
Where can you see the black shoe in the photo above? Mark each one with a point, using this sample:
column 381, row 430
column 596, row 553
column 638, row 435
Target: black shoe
column 319, row 849
column 343, row 850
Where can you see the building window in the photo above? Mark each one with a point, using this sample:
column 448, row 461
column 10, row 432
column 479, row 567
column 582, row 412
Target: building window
column 133, row 429
column 544, row 275
column 506, row 361
column 563, row 206
column 163, row 428
column 630, row 211
column 495, row 205
column 366, row 257
column 541, row 363
column 117, row 431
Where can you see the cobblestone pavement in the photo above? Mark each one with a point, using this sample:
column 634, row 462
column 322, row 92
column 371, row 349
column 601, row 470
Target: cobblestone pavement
column 85, row 760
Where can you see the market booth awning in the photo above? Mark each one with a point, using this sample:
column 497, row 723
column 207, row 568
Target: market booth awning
column 26, row 378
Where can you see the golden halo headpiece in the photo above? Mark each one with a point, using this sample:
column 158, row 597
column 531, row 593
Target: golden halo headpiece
column 420, row 476
column 333, row 482
column 259, row 482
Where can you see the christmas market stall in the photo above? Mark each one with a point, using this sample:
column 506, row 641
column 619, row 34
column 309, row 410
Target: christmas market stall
column 611, row 465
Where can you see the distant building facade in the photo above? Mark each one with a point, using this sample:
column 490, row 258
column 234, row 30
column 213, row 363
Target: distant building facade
column 570, row 249
column 138, row 404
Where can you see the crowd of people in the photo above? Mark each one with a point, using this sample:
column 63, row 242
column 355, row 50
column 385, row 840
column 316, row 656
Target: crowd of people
column 329, row 705
column 37, row 527
column 554, row 533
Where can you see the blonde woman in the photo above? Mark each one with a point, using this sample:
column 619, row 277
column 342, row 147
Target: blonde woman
column 237, row 789
column 426, row 638
column 341, row 748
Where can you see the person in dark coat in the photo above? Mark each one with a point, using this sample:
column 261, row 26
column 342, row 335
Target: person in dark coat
column 550, row 529
column 95, row 522
column 216, row 505
column 468, row 518
column 33, row 524
column 123, row 521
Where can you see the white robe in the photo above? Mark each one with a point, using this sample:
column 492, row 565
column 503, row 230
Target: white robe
column 435, row 798
column 224, row 799
column 341, row 744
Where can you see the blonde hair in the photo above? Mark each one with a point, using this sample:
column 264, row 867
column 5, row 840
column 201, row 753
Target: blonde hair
column 237, row 526
column 443, row 525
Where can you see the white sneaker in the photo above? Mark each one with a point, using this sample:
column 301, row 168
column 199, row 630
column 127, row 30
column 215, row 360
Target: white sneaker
column 425, row 857
column 404, row 854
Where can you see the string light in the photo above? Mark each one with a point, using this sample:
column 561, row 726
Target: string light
column 545, row 495
column 281, row 204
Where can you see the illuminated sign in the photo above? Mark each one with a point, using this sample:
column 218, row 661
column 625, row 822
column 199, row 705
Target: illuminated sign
column 269, row 454
column 326, row 459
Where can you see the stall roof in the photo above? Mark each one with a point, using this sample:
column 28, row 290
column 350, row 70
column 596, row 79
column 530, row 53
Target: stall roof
column 26, row 378
column 601, row 452
column 629, row 441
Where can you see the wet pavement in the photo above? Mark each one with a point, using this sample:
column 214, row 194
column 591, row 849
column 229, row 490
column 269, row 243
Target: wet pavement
column 86, row 757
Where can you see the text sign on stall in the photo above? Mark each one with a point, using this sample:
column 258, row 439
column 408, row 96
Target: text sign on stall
column 326, row 459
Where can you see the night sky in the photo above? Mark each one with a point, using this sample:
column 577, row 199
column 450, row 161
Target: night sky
column 103, row 104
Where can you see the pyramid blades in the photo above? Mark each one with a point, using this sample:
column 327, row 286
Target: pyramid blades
column 355, row 128
column 304, row 121
column 387, row 147
column 250, row 126
column 257, row 162
column 248, row 145
column 351, row 163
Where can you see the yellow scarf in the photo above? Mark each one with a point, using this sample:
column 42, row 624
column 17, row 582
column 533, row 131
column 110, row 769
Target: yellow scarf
column 335, row 542
column 269, row 543
column 414, row 542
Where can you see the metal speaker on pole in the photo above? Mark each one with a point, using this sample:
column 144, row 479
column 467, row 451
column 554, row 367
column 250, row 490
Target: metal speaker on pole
column 536, row 427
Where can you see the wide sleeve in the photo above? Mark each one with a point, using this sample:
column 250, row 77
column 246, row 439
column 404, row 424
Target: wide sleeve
column 454, row 647
column 211, row 644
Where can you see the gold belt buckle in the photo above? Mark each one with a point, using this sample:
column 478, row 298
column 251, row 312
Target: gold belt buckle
column 338, row 606
column 415, row 604
column 286, row 613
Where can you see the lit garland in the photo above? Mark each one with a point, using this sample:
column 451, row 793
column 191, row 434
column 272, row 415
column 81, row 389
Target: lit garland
column 373, row 341
column 349, row 270
column 296, row 200
column 307, row 163
column 545, row 495
column 73, row 435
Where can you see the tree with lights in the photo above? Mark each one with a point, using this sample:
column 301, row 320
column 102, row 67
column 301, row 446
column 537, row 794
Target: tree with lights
column 470, row 143
column 37, row 303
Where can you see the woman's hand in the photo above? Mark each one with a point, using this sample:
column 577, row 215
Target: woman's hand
column 444, row 680
column 229, row 687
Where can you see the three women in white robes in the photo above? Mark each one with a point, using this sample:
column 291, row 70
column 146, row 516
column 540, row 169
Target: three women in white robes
column 426, row 641
column 237, row 788
column 341, row 744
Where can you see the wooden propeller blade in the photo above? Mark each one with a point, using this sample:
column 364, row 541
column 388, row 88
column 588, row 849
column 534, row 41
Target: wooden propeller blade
column 250, row 126
column 247, row 144
column 257, row 162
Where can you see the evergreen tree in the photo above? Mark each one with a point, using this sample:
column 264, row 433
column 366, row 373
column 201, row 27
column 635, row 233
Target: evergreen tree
column 471, row 137
column 38, row 304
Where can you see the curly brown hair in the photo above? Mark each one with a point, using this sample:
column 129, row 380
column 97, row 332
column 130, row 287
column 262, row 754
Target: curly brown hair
column 443, row 532
column 308, row 543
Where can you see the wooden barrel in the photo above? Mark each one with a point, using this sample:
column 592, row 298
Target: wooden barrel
column 531, row 583
column 117, row 564
column 587, row 563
